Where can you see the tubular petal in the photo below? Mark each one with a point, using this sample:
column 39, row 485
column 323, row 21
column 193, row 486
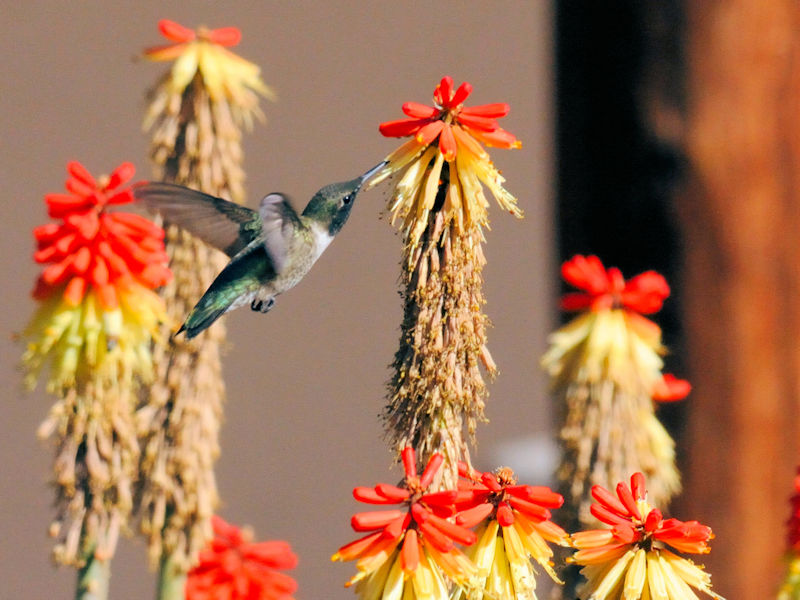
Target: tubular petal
column 174, row 31
column 367, row 521
column 447, row 143
column 638, row 486
column 472, row 516
column 435, row 537
column 429, row 132
column 476, row 123
column 626, row 497
column 401, row 127
column 530, row 509
column 419, row 111
column 225, row 36
column 392, row 492
column 409, row 461
column 431, row 468
column 409, row 555
column 505, row 516
column 461, row 94
column 491, row 111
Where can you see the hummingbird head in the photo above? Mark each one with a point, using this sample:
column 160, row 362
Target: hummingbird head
column 331, row 205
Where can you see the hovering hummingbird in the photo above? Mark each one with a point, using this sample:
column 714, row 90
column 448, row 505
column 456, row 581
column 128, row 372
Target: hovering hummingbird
column 271, row 250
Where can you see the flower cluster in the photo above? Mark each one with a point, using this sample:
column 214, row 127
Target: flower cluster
column 514, row 526
column 408, row 549
column 632, row 558
column 234, row 568
column 227, row 76
column 445, row 155
column 98, row 309
column 606, row 364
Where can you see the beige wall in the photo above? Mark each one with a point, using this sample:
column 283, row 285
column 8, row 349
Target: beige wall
column 306, row 382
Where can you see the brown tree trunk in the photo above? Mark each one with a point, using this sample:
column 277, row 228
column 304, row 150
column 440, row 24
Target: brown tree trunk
column 741, row 215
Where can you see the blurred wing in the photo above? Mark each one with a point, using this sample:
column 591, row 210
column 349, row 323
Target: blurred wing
column 278, row 223
column 224, row 225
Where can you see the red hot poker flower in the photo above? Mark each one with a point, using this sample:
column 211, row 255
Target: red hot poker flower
column 451, row 121
column 93, row 247
column 606, row 288
column 421, row 525
column 516, row 517
column 793, row 523
column 234, row 568
column 181, row 36
column 671, row 389
column 634, row 553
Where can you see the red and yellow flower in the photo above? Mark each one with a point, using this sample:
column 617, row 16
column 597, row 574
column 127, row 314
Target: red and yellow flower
column 446, row 155
column 610, row 339
column 635, row 557
column 790, row 590
column 514, row 527
column 233, row 567
column 98, row 309
column 408, row 551
column 229, row 78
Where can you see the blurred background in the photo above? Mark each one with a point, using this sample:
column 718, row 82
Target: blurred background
column 658, row 135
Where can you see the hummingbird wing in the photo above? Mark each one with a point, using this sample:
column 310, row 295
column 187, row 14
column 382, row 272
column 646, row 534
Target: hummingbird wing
column 243, row 276
column 279, row 221
column 224, row 225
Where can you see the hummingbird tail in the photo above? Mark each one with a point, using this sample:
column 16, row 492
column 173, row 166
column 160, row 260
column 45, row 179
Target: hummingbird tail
column 200, row 319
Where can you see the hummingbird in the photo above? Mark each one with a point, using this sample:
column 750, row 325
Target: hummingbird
column 271, row 249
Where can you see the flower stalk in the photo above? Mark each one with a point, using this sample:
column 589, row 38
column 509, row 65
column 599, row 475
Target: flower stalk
column 196, row 116
column 437, row 392
column 606, row 368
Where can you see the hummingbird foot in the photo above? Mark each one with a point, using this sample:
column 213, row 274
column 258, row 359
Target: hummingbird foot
column 262, row 306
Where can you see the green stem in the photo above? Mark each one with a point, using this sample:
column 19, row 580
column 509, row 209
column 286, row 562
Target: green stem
column 171, row 580
column 93, row 576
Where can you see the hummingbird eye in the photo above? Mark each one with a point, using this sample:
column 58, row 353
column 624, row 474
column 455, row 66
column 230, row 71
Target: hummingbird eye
column 347, row 199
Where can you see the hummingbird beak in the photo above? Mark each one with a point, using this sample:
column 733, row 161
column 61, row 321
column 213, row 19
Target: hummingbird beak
column 372, row 171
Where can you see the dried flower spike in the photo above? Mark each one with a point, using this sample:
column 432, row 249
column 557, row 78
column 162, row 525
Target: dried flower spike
column 437, row 390
column 408, row 549
column 514, row 527
column 94, row 330
column 196, row 115
column 606, row 366
column 233, row 567
column 634, row 557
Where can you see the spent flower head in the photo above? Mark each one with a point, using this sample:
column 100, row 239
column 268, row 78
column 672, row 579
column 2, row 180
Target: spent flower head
column 445, row 155
column 98, row 312
column 408, row 548
column 635, row 557
column 233, row 567
column 514, row 527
